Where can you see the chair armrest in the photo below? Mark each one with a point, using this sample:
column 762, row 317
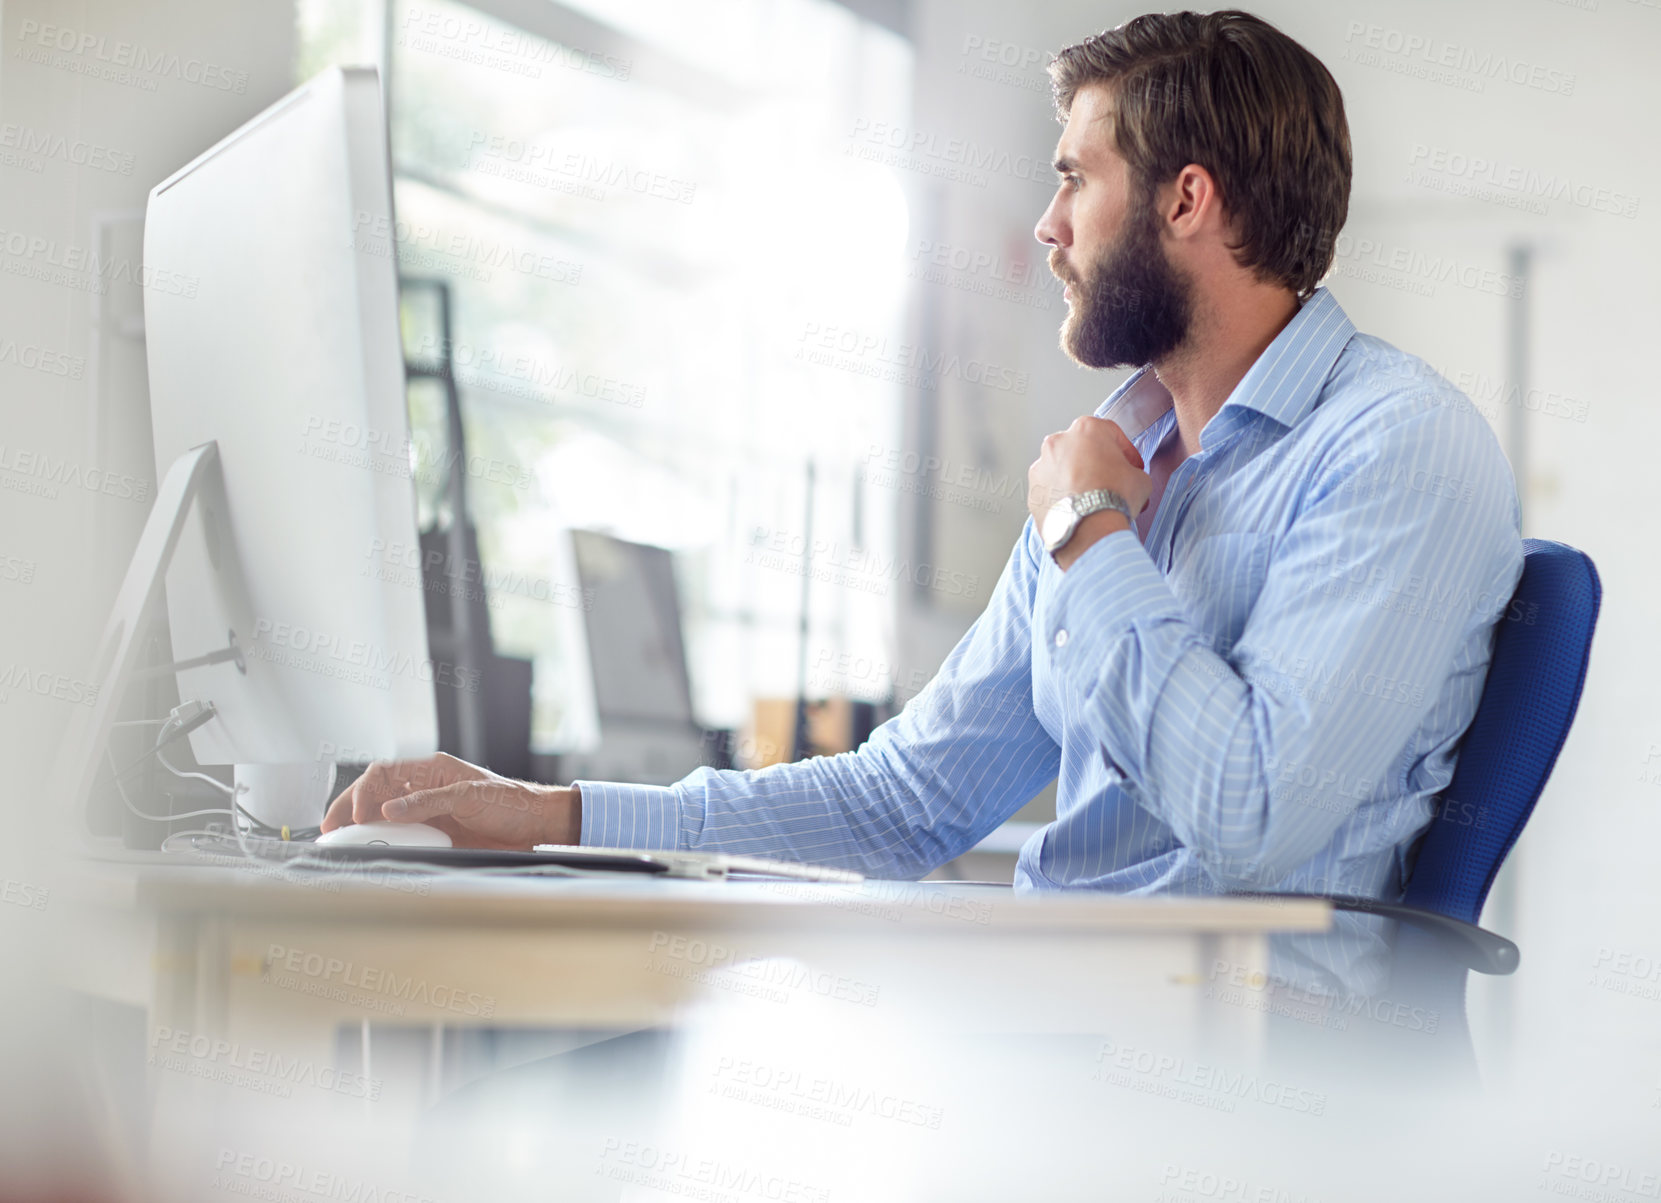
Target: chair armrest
column 1475, row 947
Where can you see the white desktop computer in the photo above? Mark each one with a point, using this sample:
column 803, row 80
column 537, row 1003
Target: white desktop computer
column 278, row 407
column 277, row 399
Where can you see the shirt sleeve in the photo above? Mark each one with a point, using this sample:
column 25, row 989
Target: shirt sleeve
column 929, row 784
column 1257, row 754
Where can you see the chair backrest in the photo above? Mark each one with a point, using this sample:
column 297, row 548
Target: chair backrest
column 1541, row 647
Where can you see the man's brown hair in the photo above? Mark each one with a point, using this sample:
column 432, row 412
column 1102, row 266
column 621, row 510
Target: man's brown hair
column 1230, row 92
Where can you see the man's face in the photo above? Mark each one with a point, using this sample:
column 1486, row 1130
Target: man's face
column 1127, row 304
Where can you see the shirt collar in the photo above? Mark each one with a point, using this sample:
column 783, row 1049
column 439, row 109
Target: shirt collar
column 1282, row 384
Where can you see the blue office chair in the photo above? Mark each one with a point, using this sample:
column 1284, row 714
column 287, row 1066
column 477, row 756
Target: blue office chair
column 1541, row 647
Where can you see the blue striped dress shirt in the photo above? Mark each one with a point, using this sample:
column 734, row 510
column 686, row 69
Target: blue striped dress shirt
column 1265, row 694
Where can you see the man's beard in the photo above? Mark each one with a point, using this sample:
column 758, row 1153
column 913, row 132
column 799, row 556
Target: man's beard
column 1132, row 307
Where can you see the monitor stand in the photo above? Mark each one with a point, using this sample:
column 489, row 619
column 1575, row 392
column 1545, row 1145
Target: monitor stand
column 279, row 795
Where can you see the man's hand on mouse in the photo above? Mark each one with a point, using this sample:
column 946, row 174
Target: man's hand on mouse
column 474, row 807
column 1092, row 453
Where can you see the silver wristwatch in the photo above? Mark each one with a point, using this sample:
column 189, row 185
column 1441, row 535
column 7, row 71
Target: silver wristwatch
column 1062, row 518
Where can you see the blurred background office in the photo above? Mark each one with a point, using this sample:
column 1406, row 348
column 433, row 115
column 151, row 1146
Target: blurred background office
column 729, row 346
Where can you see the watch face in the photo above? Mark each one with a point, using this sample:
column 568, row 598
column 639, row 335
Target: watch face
column 1058, row 524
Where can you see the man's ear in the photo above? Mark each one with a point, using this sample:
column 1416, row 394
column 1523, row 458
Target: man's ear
column 1190, row 198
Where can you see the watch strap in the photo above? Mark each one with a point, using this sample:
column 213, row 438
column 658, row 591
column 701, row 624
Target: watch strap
column 1093, row 501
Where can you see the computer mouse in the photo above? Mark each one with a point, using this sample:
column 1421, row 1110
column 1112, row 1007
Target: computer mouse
column 393, row 835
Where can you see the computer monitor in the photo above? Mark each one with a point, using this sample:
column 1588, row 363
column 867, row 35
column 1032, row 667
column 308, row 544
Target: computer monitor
column 642, row 690
column 272, row 333
column 634, row 630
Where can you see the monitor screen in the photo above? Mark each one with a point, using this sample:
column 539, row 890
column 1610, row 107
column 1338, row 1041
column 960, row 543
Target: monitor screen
column 634, row 630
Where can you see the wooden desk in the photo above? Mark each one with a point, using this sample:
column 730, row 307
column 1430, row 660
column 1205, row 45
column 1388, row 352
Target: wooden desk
column 849, row 1038
column 283, row 960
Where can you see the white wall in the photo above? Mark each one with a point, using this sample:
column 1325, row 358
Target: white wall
column 184, row 74
column 987, row 436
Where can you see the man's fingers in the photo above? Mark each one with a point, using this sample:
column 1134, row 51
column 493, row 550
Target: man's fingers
column 1129, row 448
column 380, row 782
column 340, row 810
column 370, row 790
column 388, row 779
column 1121, row 440
column 430, row 803
column 373, row 788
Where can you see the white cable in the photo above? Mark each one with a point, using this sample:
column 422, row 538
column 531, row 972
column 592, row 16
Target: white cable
column 232, row 790
column 213, row 781
column 166, row 724
column 180, row 834
column 236, row 826
column 122, row 790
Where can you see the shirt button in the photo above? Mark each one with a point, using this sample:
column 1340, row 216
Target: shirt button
column 1061, row 638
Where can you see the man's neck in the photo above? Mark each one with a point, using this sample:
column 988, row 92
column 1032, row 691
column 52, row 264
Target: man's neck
column 1226, row 338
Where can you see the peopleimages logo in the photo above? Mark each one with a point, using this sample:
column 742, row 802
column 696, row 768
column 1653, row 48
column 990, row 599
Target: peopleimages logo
column 353, row 660
column 1427, row 57
column 260, row 1177
column 1022, row 281
column 72, row 266
column 488, row 44
column 1526, row 182
column 901, row 363
column 25, row 470
column 98, row 56
column 856, row 568
column 24, row 894
column 1246, row 986
column 17, row 568
column 951, row 158
column 42, row 359
column 1602, row 1179
column 313, row 973
column 505, row 371
column 1152, row 1072
column 394, row 453
column 1182, row 1183
column 541, row 158
column 371, row 233
column 45, row 684
column 1006, row 63
column 786, row 1088
column 666, row 1172
column 42, row 145
column 1318, row 680
column 236, row 1064
column 707, row 961
column 435, row 571
column 1402, row 267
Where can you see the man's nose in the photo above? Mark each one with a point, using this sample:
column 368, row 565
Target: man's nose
column 1050, row 230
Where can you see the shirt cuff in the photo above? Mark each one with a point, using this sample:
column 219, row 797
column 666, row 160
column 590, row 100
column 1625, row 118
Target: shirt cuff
column 1109, row 589
column 631, row 816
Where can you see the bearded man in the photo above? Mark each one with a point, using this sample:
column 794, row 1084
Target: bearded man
column 1253, row 610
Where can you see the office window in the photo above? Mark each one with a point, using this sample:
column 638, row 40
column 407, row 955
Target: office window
column 647, row 216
